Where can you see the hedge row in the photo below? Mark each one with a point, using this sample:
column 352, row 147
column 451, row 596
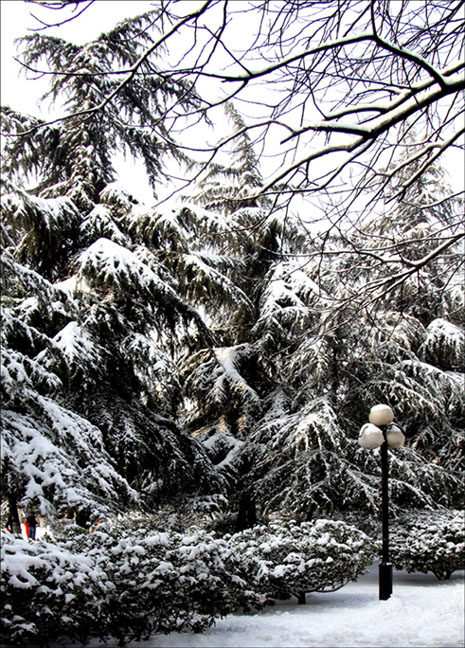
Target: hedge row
column 124, row 582
column 127, row 583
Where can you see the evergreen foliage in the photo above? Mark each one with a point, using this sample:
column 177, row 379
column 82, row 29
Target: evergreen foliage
column 127, row 582
column 91, row 313
column 105, row 114
column 425, row 541
column 211, row 345
column 208, row 354
column 48, row 592
column 320, row 556
column 230, row 383
column 352, row 335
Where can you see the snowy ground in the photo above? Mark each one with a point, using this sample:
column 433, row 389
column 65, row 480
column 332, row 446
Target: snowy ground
column 422, row 612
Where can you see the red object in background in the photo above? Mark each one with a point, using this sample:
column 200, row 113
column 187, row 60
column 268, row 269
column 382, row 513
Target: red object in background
column 26, row 528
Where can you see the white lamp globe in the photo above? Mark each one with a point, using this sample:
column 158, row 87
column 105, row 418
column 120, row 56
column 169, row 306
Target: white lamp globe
column 370, row 437
column 381, row 415
column 394, row 436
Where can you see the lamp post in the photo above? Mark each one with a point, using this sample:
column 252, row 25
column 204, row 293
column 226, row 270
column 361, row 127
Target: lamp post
column 382, row 432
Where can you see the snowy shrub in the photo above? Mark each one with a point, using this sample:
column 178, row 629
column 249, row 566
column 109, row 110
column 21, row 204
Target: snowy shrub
column 423, row 541
column 149, row 594
column 47, row 592
column 121, row 581
column 127, row 582
column 209, row 575
column 293, row 558
column 166, row 581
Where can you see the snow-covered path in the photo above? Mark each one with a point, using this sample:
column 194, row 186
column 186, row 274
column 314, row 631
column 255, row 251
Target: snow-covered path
column 421, row 612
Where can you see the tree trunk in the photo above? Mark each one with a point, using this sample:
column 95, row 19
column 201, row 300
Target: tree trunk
column 14, row 516
column 247, row 515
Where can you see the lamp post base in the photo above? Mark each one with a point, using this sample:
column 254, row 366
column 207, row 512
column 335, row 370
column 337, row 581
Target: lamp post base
column 385, row 581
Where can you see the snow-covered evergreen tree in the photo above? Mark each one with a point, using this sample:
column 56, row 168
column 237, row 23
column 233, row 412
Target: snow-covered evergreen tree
column 188, row 347
column 367, row 337
column 228, row 384
column 91, row 312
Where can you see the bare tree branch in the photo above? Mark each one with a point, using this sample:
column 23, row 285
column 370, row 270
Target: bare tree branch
column 59, row 5
column 349, row 82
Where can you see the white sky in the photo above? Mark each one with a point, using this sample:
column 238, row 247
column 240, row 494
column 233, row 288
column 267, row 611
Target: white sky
column 23, row 95
column 17, row 21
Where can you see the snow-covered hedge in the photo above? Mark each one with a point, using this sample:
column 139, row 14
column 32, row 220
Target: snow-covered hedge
column 423, row 541
column 118, row 582
column 295, row 558
column 47, row 591
column 127, row 582
column 172, row 581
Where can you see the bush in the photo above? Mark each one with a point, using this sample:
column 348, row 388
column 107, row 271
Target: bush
column 161, row 581
column 120, row 582
column 318, row 556
column 423, row 541
column 171, row 581
column 48, row 592
column 126, row 582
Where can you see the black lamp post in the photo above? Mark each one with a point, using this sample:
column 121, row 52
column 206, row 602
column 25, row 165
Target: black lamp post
column 385, row 566
column 382, row 433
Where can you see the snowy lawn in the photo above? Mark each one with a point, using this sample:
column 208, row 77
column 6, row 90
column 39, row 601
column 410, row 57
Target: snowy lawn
column 422, row 611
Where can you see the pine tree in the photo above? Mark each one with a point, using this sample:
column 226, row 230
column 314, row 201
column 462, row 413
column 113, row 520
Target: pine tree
column 92, row 314
column 229, row 384
column 209, row 345
column 351, row 351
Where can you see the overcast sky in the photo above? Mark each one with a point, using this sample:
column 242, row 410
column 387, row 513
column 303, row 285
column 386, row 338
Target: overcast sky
column 17, row 21
column 23, row 95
